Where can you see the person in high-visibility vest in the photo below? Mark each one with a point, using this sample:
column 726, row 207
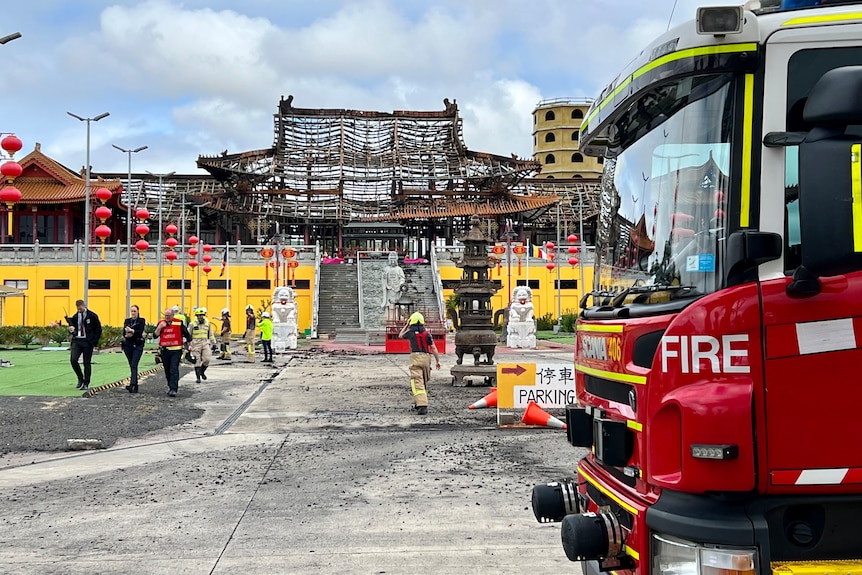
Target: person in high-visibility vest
column 173, row 336
column 265, row 326
column 202, row 341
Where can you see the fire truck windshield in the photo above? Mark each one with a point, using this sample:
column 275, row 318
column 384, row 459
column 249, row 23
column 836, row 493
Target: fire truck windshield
column 663, row 193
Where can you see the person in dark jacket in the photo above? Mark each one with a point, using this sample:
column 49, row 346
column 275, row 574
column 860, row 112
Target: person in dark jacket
column 133, row 344
column 86, row 330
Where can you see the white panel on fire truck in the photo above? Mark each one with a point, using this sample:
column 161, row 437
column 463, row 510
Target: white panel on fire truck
column 821, row 336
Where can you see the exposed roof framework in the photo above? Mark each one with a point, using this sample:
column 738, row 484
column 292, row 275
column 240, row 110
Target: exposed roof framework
column 345, row 165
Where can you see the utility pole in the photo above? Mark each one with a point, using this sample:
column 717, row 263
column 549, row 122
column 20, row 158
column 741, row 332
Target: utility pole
column 129, row 224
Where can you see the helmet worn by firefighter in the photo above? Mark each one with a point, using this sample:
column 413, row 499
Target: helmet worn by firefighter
column 416, row 318
column 265, row 314
column 201, row 311
column 225, row 311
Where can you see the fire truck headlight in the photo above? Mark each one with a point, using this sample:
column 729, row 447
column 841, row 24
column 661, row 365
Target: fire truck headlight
column 672, row 556
column 553, row 501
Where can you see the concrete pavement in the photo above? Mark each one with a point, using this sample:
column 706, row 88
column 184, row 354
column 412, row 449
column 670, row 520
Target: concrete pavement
column 313, row 465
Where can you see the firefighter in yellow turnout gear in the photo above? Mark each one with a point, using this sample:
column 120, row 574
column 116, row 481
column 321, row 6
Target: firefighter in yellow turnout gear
column 202, row 341
column 421, row 348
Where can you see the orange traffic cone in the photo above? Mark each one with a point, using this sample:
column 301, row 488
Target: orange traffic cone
column 535, row 415
column 489, row 400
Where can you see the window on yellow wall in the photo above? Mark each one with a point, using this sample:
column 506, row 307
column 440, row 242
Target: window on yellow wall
column 577, row 158
column 575, row 135
column 577, row 114
column 550, row 137
column 549, row 116
column 550, row 159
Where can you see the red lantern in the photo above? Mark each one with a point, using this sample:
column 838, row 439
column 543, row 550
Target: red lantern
column 171, row 229
column 11, row 170
column 267, row 253
column 519, row 250
column 288, row 253
column 142, row 229
column 550, row 266
column 10, row 195
column 193, row 240
column 550, row 245
column 207, row 258
column 171, row 256
column 206, row 269
column 103, row 213
column 11, row 144
column 291, row 266
column 573, row 249
column 171, row 242
column 573, row 239
column 193, row 251
column 207, row 248
column 142, row 245
column 573, row 262
column 142, row 214
column 103, row 194
column 193, row 264
column 103, row 232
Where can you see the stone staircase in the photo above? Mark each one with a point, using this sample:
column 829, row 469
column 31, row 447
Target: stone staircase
column 338, row 299
column 420, row 288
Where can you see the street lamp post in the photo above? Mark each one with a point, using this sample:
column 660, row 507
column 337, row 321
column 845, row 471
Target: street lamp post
column 87, row 201
column 198, row 269
column 159, row 245
column 129, row 223
column 183, row 251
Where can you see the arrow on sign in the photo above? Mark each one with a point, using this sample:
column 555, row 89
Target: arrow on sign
column 517, row 370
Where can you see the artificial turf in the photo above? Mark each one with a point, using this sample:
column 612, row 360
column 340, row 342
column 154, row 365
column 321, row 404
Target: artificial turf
column 38, row 372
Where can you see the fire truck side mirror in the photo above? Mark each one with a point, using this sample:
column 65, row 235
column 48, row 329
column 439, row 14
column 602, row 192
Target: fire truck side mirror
column 747, row 249
column 830, row 175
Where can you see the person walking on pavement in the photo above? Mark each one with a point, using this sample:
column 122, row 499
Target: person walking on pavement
column 265, row 326
column 421, row 348
column 225, row 335
column 250, row 324
column 133, row 344
column 173, row 336
column 202, row 341
column 178, row 315
column 86, row 331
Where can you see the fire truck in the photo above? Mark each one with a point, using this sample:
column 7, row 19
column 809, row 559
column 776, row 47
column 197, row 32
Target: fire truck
column 718, row 364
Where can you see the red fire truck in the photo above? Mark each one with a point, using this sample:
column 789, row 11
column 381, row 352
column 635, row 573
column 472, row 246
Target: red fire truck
column 717, row 358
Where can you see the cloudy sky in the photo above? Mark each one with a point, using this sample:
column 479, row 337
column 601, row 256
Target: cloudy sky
column 195, row 77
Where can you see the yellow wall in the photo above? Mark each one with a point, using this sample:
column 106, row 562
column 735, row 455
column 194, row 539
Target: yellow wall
column 42, row 306
column 544, row 298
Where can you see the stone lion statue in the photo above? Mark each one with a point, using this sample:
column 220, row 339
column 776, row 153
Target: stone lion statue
column 521, row 328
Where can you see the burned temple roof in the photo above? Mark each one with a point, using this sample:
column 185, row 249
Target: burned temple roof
column 344, row 165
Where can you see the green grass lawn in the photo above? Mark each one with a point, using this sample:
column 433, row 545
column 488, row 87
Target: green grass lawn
column 567, row 338
column 37, row 372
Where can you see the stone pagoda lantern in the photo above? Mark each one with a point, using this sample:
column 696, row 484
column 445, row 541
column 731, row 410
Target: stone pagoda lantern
column 475, row 335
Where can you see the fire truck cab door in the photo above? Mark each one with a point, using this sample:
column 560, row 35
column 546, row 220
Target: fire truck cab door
column 813, row 362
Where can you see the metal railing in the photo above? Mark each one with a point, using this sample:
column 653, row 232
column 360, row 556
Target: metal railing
column 438, row 286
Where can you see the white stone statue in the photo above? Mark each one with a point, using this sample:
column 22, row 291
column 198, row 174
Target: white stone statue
column 393, row 282
column 284, row 319
column 521, row 329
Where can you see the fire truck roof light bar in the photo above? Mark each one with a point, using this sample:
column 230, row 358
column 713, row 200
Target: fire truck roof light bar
column 719, row 20
column 717, row 452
